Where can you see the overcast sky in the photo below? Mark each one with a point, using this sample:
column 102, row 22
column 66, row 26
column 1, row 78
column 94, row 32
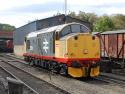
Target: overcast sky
column 20, row 12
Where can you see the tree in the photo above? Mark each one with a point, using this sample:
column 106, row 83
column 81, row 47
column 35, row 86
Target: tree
column 103, row 24
column 88, row 17
column 6, row 27
column 119, row 21
column 72, row 14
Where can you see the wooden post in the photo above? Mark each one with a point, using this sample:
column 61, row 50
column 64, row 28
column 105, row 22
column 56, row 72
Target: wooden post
column 14, row 86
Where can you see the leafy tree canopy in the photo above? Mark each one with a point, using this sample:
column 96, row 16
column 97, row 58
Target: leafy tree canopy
column 104, row 24
column 88, row 17
column 6, row 27
column 101, row 23
column 118, row 21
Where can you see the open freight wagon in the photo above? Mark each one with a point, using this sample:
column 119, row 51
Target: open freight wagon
column 112, row 50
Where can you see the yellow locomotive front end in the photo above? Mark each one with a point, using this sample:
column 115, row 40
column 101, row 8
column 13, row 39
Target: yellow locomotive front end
column 82, row 52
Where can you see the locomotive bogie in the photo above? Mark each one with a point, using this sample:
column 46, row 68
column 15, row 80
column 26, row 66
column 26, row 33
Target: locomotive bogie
column 64, row 69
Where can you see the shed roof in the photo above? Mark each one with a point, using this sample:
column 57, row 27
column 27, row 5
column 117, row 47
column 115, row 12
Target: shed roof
column 62, row 15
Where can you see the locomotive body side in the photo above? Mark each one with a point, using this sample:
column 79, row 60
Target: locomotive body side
column 65, row 50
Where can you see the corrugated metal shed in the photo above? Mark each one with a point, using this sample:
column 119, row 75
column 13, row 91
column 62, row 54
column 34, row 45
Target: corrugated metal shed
column 21, row 32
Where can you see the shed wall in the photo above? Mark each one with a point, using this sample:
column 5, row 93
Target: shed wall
column 19, row 50
column 49, row 22
column 20, row 33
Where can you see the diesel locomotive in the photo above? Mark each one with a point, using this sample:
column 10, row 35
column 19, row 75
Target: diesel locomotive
column 68, row 49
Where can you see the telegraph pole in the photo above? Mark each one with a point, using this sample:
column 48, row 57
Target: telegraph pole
column 65, row 7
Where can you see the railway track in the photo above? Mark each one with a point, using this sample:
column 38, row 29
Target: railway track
column 5, row 73
column 35, row 85
column 112, row 80
column 100, row 81
column 104, row 78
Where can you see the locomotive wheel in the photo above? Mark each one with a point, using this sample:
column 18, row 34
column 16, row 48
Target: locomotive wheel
column 25, row 59
column 50, row 66
column 31, row 63
column 53, row 67
column 35, row 62
column 47, row 64
column 63, row 70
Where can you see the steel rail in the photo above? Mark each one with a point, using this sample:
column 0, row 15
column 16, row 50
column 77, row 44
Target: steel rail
column 18, row 78
column 4, row 57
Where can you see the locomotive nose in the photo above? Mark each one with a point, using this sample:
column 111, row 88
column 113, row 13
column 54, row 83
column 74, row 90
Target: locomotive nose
column 83, row 46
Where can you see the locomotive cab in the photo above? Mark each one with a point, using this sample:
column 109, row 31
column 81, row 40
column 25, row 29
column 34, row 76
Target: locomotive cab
column 81, row 52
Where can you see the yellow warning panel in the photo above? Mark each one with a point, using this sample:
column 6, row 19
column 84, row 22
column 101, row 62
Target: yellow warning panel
column 95, row 71
column 75, row 72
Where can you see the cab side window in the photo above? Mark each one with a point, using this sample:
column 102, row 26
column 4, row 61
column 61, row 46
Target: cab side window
column 65, row 31
column 84, row 29
column 75, row 28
